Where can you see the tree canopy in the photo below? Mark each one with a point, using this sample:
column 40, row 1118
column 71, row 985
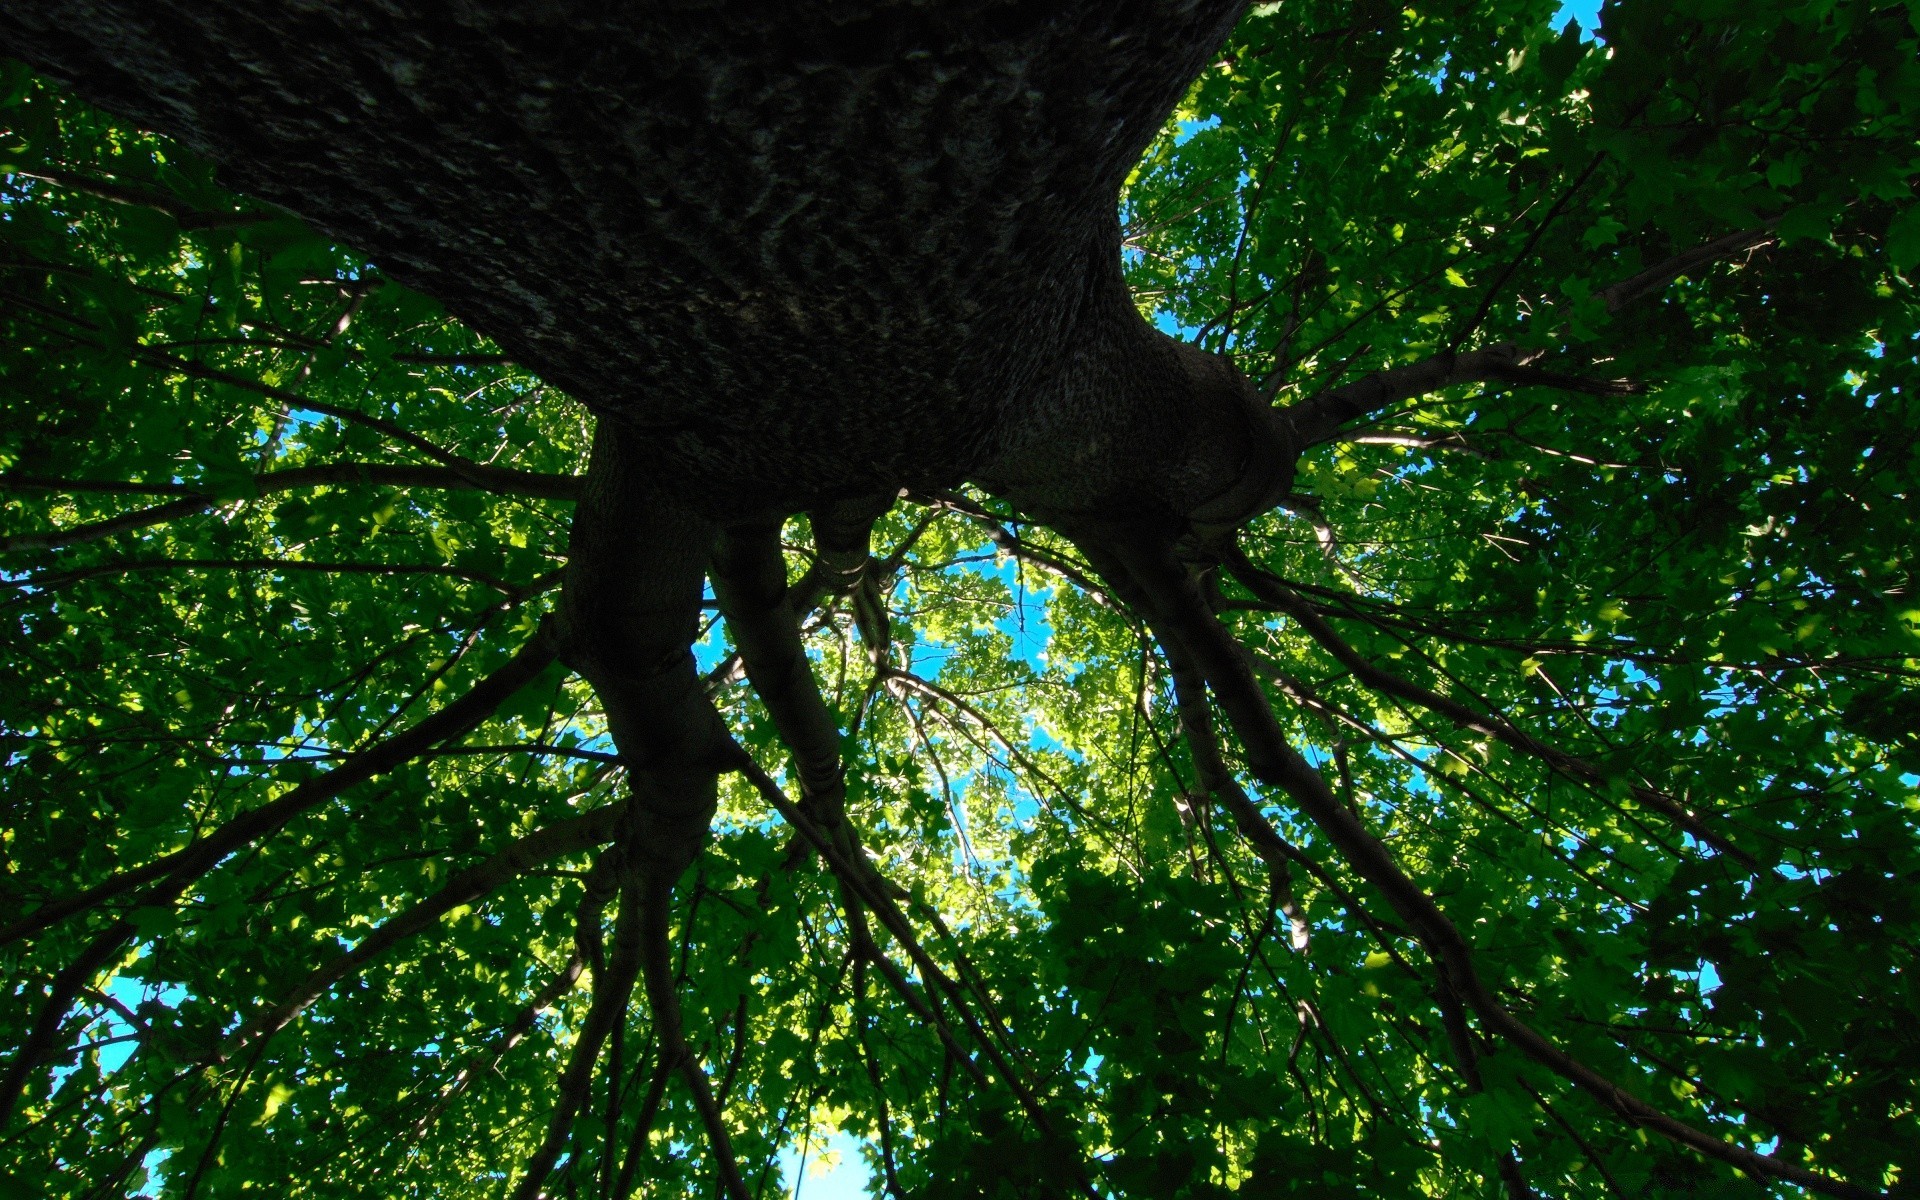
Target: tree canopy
column 1510, row 793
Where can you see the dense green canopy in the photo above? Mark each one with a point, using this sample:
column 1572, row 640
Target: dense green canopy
column 1614, row 646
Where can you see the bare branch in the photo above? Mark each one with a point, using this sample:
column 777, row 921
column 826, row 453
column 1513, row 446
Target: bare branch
column 610, row 993
column 159, row 514
column 863, row 881
column 643, row 1125
column 179, row 869
column 39, row 584
column 1274, row 850
column 468, row 477
column 1318, row 418
column 862, row 1019
column 481, row 475
column 1014, row 546
column 595, row 828
column 1651, row 280
column 598, row 756
column 1015, row 756
column 456, row 360
column 66, row 986
column 1419, row 441
column 662, row 997
column 1526, row 251
column 355, row 293
column 1269, row 588
column 560, row 984
column 185, row 215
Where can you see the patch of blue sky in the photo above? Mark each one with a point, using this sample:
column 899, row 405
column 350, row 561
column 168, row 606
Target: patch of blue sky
column 296, row 418
column 1587, row 12
column 809, row 1176
column 133, row 992
column 712, row 648
column 1040, row 738
column 111, row 1033
column 1187, row 129
column 153, row 1162
column 1027, row 623
column 1707, row 975
column 1168, row 324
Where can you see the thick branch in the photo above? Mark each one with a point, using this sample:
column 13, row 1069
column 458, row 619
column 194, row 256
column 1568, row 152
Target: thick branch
column 750, row 580
column 72, row 979
column 1197, row 723
column 1319, row 418
column 803, row 319
column 184, row 215
column 663, row 998
column 610, row 993
column 629, row 615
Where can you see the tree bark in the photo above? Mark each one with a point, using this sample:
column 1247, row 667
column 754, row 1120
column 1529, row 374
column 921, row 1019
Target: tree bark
column 800, row 251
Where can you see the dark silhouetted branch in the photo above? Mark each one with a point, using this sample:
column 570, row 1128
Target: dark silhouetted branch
column 610, row 993
column 864, row 882
column 53, row 580
column 1270, row 589
column 663, row 999
column 1319, row 418
column 1658, row 276
column 467, row 477
column 183, row 214
column 180, row 868
column 562, row 982
column 176, row 872
column 571, row 836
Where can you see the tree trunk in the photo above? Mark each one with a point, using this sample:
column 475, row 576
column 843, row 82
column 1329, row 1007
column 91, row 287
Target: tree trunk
column 799, row 251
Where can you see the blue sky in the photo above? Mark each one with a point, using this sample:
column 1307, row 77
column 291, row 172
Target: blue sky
column 1587, row 12
column 846, row 1180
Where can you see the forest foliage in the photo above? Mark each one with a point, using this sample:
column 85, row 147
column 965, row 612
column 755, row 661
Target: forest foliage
column 265, row 510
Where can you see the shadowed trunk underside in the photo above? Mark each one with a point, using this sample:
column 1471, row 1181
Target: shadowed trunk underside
column 796, row 251
column 795, row 256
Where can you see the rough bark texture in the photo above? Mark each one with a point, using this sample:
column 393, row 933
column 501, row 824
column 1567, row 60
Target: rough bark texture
column 800, row 251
